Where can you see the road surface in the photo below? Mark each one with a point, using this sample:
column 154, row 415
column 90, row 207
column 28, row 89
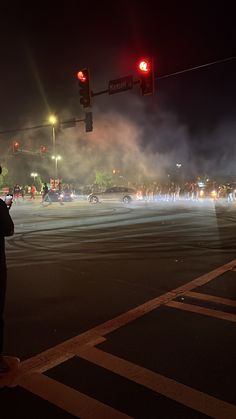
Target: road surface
column 122, row 310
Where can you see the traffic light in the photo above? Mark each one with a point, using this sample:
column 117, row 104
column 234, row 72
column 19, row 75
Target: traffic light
column 84, row 85
column 146, row 71
column 88, row 121
column 15, row 146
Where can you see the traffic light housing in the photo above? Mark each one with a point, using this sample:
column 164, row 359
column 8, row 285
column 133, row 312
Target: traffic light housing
column 84, row 87
column 146, row 71
column 15, row 146
column 88, row 121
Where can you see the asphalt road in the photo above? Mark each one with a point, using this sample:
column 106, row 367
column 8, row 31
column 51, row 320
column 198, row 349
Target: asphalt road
column 130, row 310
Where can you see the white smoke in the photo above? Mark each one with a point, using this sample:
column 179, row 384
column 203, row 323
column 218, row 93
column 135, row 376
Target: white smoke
column 121, row 143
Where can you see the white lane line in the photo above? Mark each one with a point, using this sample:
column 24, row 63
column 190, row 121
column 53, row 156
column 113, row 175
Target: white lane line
column 66, row 349
column 62, row 352
column 202, row 310
column 211, row 298
column 168, row 387
column 69, row 399
column 51, row 358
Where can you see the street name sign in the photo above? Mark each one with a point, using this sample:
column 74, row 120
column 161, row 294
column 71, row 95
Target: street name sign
column 120, row 85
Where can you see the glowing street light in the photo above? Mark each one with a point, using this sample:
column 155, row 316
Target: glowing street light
column 56, row 158
column 53, row 120
column 34, row 175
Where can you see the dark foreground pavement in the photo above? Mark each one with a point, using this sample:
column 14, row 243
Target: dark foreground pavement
column 171, row 357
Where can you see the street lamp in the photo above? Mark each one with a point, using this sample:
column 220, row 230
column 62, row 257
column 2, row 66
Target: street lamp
column 33, row 174
column 53, row 120
column 56, row 158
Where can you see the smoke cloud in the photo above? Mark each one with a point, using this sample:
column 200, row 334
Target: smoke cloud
column 137, row 141
column 120, row 143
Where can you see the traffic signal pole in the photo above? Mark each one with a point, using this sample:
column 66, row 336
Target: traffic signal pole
column 102, row 92
column 176, row 73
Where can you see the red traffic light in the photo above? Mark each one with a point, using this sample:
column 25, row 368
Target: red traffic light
column 146, row 71
column 145, row 66
column 84, row 86
column 81, row 76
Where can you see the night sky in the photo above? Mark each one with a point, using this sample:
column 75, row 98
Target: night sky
column 44, row 45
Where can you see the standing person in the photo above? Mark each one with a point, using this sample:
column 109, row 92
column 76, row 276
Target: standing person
column 45, row 191
column 16, row 191
column 6, row 229
column 229, row 192
column 32, row 192
column 23, row 192
column 46, row 194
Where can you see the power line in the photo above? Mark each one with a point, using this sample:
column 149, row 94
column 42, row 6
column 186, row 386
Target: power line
column 196, row 67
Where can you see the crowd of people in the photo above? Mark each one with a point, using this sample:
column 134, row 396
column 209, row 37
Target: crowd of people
column 148, row 191
column 21, row 191
column 190, row 190
column 174, row 191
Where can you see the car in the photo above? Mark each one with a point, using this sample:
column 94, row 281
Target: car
column 59, row 196
column 116, row 193
column 209, row 193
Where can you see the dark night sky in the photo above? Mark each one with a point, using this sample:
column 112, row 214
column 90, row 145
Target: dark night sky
column 42, row 46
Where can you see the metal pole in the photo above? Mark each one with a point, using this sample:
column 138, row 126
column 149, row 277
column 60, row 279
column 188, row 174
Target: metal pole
column 53, row 140
column 54, row 150
column 56, row 168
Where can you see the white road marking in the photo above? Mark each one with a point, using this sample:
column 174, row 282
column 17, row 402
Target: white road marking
column 202, row 310
column 168, row 387
column 65, row 350
column 84, row 343
column 211, row 298
column 69, row 399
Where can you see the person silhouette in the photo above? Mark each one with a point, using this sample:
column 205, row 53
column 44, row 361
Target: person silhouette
column 6, row 229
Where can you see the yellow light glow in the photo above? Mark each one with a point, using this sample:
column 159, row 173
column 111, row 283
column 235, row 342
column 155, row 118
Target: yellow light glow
column 52, row 119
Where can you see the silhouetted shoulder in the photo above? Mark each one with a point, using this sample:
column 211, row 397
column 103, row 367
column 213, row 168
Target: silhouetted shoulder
column 6, row 223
